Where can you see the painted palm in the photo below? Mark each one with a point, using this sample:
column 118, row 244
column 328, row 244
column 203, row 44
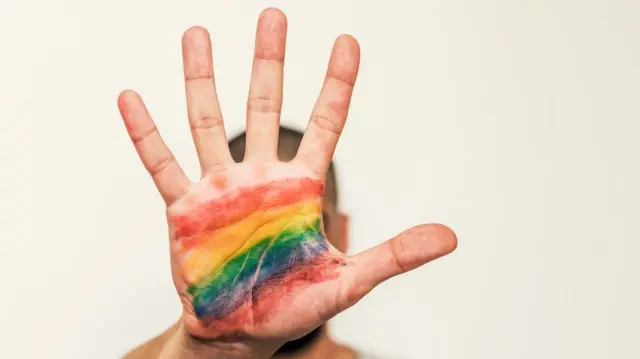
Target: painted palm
column 246, row 244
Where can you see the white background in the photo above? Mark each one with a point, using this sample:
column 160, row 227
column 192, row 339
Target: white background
column 513, row 122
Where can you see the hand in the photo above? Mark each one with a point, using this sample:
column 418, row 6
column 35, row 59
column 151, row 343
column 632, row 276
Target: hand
column 249, row 257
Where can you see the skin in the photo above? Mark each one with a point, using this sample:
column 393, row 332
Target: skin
column 301, row 292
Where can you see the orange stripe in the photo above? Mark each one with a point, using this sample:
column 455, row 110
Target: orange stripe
column 240, row 203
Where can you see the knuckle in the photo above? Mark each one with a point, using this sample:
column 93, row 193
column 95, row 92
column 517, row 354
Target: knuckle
column 399, row 255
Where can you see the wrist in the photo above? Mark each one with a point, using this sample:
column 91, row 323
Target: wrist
column 183, row 345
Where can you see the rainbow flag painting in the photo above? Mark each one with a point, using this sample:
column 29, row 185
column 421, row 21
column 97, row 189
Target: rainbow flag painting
column 234, row 249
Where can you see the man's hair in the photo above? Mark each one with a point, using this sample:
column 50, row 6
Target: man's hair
column 288, row 143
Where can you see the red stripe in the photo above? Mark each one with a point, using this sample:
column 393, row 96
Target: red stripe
column 242, row 202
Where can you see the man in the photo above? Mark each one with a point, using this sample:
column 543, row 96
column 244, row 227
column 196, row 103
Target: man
column 257, row 246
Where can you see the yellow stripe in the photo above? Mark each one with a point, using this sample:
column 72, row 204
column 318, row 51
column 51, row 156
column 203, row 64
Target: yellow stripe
column 219, row 246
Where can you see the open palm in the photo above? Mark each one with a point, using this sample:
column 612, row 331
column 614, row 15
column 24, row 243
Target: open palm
column 248, row 250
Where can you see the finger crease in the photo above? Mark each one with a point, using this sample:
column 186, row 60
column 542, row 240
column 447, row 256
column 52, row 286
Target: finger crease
column 207, row 123
column 269, row 55
column 137, row 139
column 325, row 123
column 204, row 76
column 342, row 81
column 160, row 166
column 265, row 104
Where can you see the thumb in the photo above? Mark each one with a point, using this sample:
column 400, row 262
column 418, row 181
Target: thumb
column 402, row 253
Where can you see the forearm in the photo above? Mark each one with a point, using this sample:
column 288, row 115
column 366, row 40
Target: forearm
column 176, row 343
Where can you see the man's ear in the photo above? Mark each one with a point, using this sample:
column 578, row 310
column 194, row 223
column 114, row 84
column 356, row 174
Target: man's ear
column 343, row 232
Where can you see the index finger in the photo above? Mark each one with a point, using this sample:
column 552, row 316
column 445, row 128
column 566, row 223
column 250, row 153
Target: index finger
column 156, row 157
column 330, row 112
